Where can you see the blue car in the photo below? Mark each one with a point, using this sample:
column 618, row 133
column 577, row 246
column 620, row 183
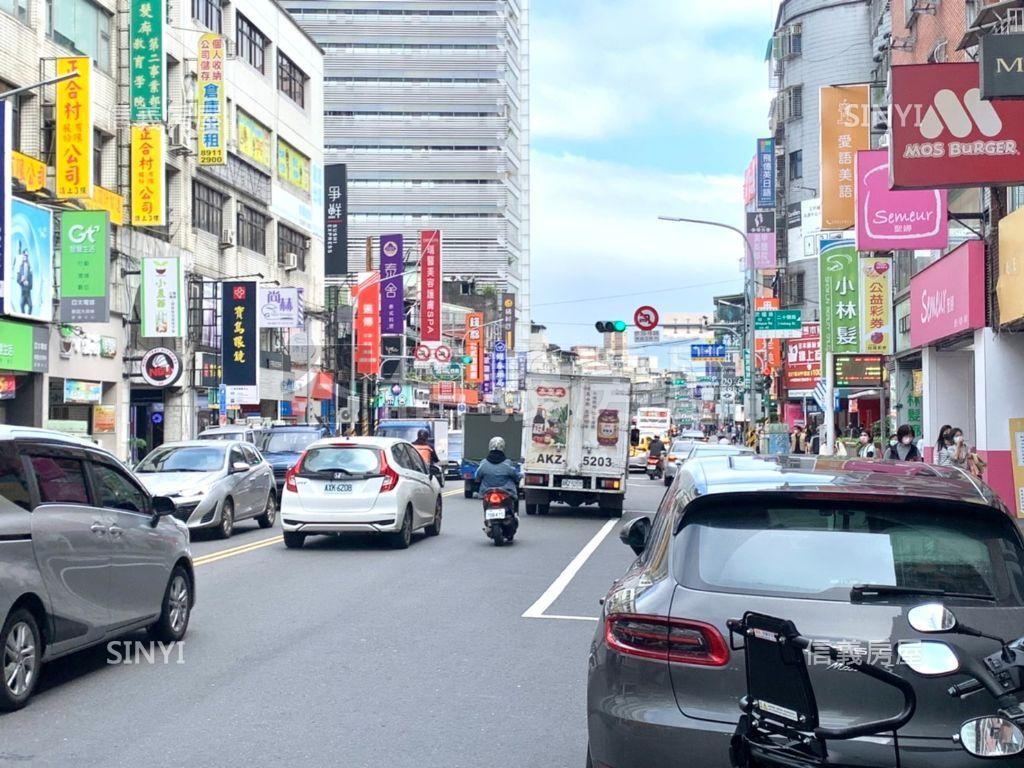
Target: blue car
column 282, row 446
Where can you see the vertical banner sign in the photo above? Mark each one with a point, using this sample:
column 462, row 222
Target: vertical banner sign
column 336, row 220
column 210, row 107
column 508, row 319
column 240, row 342
column 148, row 68
column 766, row 173
column 522, row 363
column 768, row 352
column 749, row 181
column 5, row 191
column 803, row 359
column 28, row 263
column 368, row 323
column 487, row 385
column 84, row 256
column 499, row 365
column 74, row 171
column 876, row 329
column 163, row 297
column 845, row 129
column 392, row 293
column 430, row 279
column 475, row 347
column 840, row 307
column 148, row 182
column 761, row 235
column 1017, row 458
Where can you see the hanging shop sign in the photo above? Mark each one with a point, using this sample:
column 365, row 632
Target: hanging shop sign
column 803, row 359
column 160, row 367
column 858, row 370
column 28, row 262
column 147, row 64
column 761, row 236
column 767, row 352
column 875, row 291
column 163, row 297
column 948, row 297
column 24, row 347
column 335, row 220
column 368, row 323
column 74, row 172
column 765, row 173
column 1002, row 66
column 28, row 171
column 210, row 100
column 896, row 219
column 750, row 181
column 839, row 285
column 104, row 200
column 430, row 291
column 392, row 293
column 240, row 342
column 474, row 346
column 508, row 319
column 844, row 115
column 279, row 308
column 84, row 256
column 1010, row 288
column 149, row 191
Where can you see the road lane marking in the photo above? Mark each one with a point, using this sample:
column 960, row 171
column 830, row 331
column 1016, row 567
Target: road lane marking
column 226, row 553
column 568, row 618
column 452, row 493
column 536, row 611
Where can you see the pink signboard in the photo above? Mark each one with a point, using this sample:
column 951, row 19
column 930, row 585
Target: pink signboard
column 889, row 219
column 949, row 296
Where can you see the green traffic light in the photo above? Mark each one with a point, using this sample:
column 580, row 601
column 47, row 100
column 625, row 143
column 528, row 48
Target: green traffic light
column 619, row 326
column 466, row 359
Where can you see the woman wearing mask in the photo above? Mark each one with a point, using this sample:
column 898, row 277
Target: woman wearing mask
column 944, row 446
column 866, row 448
column 958, row 453
column 904, row 450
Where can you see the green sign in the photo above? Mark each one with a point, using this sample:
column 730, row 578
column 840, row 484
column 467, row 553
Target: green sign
column 148, row 68
column 777, row 324
column 24, row 347
column 840, row 308
column 84, row 255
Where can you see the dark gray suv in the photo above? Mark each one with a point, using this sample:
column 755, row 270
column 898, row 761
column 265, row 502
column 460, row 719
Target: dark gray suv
column 739, row 534
column 87, row 555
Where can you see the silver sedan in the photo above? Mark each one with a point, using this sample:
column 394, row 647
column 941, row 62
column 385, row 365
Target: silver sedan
column 212, row 483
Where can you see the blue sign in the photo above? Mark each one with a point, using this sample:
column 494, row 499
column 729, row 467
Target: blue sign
column 707, row 352
column 284, row 408
column 487, row 386
column 222, row 399
column 766, row 173
column 499, row 365
column 157, row 418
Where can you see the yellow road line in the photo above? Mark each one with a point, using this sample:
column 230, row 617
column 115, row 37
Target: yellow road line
column 452, row 493
column 226, row 553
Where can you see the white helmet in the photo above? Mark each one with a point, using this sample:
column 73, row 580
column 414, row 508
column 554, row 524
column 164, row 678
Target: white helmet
column 496, row 444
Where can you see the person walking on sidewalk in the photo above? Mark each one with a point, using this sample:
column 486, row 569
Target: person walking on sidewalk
column 904, row 450
column 958, row 453
column 944, row 446
column 866, row 446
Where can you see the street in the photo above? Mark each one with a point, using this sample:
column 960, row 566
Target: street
column 347, row 652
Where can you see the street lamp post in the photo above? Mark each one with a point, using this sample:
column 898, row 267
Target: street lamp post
column 751, row 295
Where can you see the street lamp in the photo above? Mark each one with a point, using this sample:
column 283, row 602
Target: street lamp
column 751, row 289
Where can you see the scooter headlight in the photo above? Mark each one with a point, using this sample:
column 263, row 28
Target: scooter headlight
column 992, row 737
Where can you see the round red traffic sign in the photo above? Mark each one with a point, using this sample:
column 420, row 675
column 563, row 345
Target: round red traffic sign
column 443, row 353
column 422, row 353
column 646, row 318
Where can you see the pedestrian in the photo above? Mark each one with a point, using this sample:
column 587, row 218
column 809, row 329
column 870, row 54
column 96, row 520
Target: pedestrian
column 958, row 453
column 808, row 439
column 944, row 446
column 904, row 449
column 840, row 448
column 866, row 447
column 796, row 440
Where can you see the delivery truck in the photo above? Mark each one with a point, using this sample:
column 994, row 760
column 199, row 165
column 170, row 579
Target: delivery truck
column 576, row 441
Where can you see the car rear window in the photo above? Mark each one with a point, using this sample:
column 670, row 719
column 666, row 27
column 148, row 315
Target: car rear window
column 821, row 550
column 292, row 441
column 356, row 460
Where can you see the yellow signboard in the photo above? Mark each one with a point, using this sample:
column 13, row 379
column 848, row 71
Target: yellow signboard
column 74, row 128
column 148, row 184
column 210, row 106
column 104, row 200
column 253, row 139
column 1017, row 459
column 292, row 165
column 29, row 171
column 845, row 117
column 1010, row 288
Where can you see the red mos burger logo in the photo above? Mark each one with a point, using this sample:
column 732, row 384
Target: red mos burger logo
column 961, row 117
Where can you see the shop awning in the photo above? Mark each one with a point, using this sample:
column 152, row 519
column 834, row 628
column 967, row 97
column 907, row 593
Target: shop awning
column 323, row 386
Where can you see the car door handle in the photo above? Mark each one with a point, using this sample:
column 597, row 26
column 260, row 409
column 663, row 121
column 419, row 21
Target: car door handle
column 116, row 531
column 98, row 528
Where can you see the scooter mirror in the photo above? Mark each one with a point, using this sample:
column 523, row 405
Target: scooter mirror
column 991, row 737
column 928, row 658
column 932, row 617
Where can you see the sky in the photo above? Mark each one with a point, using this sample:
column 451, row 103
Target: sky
column 640, row 108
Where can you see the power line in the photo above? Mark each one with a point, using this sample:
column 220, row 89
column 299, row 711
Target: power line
column 635, row 293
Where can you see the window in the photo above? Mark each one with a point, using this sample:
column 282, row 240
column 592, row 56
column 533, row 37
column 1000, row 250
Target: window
column 252, row 229
column 82, row 27
column 207, row 209
column 250, row 43
column 290, row 241
column 401, row 457
column 116, row 491
column 793, row 288
column 17, row 8
column 61, row 480
column 251, row 456
column 16, row 106
column 235, row 457
column 13, row 488
column 356, row 461
column 208, row 13
column 796, row 165
column 291, row 81
column 191, row 458
column 97, row 157
column 415, row 460
column 793, row 102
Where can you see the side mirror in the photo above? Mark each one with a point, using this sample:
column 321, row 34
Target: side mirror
column 928, row 658
column 932, row 618
column 163, row 506
column 240, row 466
column 635, row 533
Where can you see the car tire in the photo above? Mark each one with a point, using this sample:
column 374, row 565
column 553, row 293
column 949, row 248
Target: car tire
column 531, row 509
column 21, row 647
column 176, row 608
column 294, row 539
column 467, row 491
column 269, row 516
column 434, row 529
column 668, row 481
column 403, row 538
column 543, row 509
column 227, row 520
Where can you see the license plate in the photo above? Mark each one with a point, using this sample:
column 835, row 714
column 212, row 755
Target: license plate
column 573, row 483
column 337, row 487
column 494, row 514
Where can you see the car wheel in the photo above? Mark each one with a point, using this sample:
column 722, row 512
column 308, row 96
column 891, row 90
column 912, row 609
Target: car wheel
column 668, row 481
column 434, row 529
column 269, row 516
column 227, row 520
column 294, row 539
column 543, row 509
column 531, row 509
column 22, row 655
column 467, row 491
column 403, row 538
column 176, row 608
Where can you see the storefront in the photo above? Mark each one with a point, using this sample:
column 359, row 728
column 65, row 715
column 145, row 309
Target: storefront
column 801, row 372
column 24, row 360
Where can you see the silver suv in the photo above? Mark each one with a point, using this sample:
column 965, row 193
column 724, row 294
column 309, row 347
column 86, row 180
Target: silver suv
column 87, row 554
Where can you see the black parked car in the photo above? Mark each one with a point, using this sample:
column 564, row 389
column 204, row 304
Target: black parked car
column 799, row 540
column 283, row 445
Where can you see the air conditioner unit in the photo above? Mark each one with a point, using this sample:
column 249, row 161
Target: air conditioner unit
column 227, row 238
column 290, row 262
column 177, row 140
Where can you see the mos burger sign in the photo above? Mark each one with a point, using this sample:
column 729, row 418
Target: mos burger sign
column 945, row 135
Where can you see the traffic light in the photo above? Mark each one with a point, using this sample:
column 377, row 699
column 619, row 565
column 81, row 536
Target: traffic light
column 610, row 326
column 467, row 359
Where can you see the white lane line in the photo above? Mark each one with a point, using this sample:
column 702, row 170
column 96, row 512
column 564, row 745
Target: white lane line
column 536, row 611
column 568, row 618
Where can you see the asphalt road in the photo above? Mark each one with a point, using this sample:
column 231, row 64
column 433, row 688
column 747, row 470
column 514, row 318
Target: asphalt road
column 348, row 653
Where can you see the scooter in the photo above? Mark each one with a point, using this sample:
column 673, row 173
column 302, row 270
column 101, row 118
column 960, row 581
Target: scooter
column 501, row 515
column 654, row 467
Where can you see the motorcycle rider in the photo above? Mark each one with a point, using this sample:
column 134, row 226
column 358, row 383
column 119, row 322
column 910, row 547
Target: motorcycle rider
column 425, row 449
column 656, row 449
column 496, row 471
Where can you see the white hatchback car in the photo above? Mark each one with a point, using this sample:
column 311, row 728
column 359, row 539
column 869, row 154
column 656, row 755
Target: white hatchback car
column 360, row 484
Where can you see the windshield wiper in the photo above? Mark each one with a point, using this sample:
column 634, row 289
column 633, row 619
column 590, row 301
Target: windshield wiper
column 861, row 592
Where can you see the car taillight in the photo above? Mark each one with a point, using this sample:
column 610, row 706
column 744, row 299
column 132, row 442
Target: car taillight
column 672, row 458
column 289, row 476
column 495, row 497
column 609, row 485
column 390, row 476
column 679, row 641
